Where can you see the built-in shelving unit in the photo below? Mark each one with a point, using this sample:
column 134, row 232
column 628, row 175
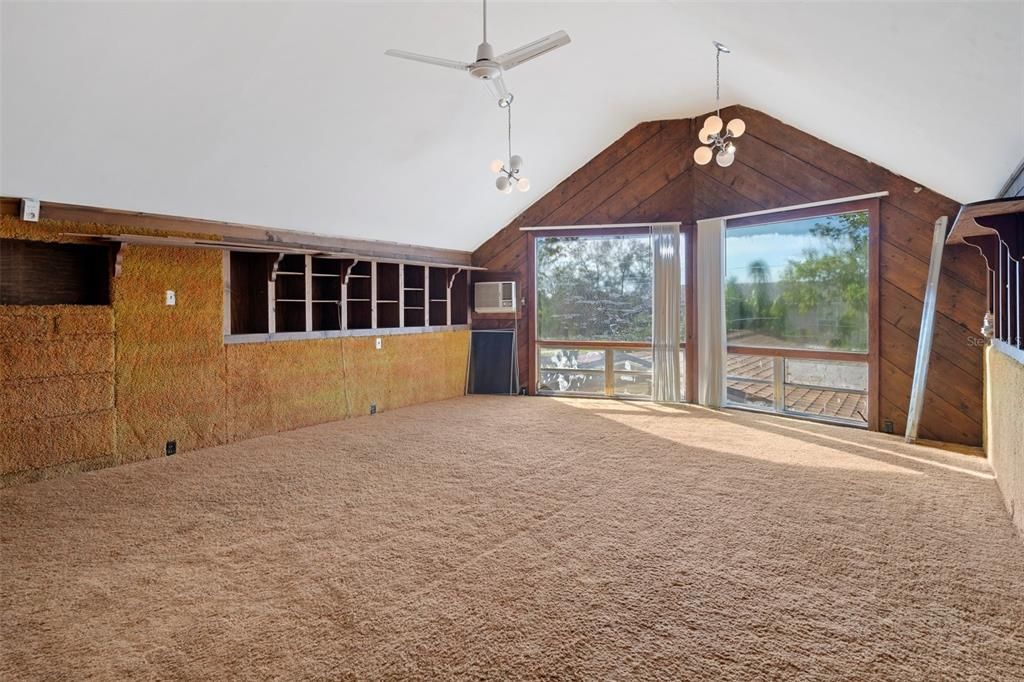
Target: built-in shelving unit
column 388, row 288
column 414, row 295
column 358, row 292
column 326, row 296
column 314, row 294
column 290, row 293
column 437, row 296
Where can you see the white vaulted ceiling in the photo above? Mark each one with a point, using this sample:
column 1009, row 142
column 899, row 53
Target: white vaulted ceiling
column 289, row 115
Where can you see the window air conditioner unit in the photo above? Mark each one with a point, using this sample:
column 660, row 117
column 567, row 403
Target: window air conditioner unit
column 494, row 297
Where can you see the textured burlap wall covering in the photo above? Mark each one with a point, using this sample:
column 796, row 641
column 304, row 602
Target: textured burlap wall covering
column 83, row 387
column 1004, row 429
column 56, row 386
column 169, row 359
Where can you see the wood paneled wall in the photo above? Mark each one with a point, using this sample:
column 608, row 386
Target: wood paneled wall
column 648, row 175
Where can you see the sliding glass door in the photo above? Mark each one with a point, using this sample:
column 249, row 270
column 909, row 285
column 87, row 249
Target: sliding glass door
column 594, row 314
column 797, row 301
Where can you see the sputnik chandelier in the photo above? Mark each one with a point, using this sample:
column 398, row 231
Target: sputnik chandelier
column 508, row 176
column 711, row 135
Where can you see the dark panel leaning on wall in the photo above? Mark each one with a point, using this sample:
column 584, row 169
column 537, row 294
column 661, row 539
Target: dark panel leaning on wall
column 648, row 176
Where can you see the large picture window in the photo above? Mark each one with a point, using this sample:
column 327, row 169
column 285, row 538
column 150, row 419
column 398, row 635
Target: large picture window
column 799, row 284
column 595, row 315
column 596, row 289
column 797, row 308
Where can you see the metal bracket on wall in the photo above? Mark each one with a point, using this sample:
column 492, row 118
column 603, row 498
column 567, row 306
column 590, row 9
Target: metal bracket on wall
column 451, row 280
column 348, row 272
column 275, row 266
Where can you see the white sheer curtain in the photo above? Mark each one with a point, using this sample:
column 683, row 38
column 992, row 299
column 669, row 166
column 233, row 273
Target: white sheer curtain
column 665, row 245
column 710, row 312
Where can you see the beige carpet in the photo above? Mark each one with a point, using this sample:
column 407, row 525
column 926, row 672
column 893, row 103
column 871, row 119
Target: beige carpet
column 520, row 538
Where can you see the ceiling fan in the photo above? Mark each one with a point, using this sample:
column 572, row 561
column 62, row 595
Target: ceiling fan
column 489, row 68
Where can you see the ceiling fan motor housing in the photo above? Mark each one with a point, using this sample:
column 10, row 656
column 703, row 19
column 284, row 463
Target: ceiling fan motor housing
column 485, row 68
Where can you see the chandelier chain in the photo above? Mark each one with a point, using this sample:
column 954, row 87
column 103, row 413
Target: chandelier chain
column 509, row 108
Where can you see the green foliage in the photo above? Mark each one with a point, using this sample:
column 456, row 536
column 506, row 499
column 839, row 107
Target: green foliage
column 833, row 279
column 594, row 288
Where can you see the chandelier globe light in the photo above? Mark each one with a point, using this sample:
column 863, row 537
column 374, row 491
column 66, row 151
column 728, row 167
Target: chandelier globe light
column 717, row 137
column 509, row 177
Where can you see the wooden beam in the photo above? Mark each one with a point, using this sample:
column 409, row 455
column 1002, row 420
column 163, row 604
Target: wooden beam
column 240, row 233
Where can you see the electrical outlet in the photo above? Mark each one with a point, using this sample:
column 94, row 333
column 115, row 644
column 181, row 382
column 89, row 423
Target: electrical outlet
column 170, row 298
column 887, row 426
column 373, row 408
column 171, row 447
column 380, row 343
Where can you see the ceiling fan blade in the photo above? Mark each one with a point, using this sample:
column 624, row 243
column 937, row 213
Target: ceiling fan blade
column 437, row 61
column 497, row 88
column 515, row 57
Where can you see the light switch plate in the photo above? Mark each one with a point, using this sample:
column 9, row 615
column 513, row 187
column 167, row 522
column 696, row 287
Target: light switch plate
column 170, row 297
column 380, row 343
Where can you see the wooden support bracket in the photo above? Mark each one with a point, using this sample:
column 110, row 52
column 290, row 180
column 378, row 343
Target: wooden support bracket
column 275, row 266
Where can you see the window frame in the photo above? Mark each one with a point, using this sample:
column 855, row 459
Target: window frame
column 871, row 356
column 687, row 347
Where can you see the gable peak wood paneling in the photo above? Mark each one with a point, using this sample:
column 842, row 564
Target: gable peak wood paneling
column 648, row 175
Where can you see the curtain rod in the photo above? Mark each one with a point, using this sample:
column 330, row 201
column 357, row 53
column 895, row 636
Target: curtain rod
column 813, row 204
column 614, row 226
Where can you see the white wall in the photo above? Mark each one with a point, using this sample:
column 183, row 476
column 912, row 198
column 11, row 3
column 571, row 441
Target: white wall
column 288, row 114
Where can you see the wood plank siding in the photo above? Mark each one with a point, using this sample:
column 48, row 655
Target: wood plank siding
column 648, row 176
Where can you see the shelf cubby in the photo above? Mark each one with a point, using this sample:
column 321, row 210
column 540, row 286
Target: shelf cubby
column 290, row 294
column 326, row 316
column 358, row 276
column 389, row 292
column 413, row 295
column 437, row 305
